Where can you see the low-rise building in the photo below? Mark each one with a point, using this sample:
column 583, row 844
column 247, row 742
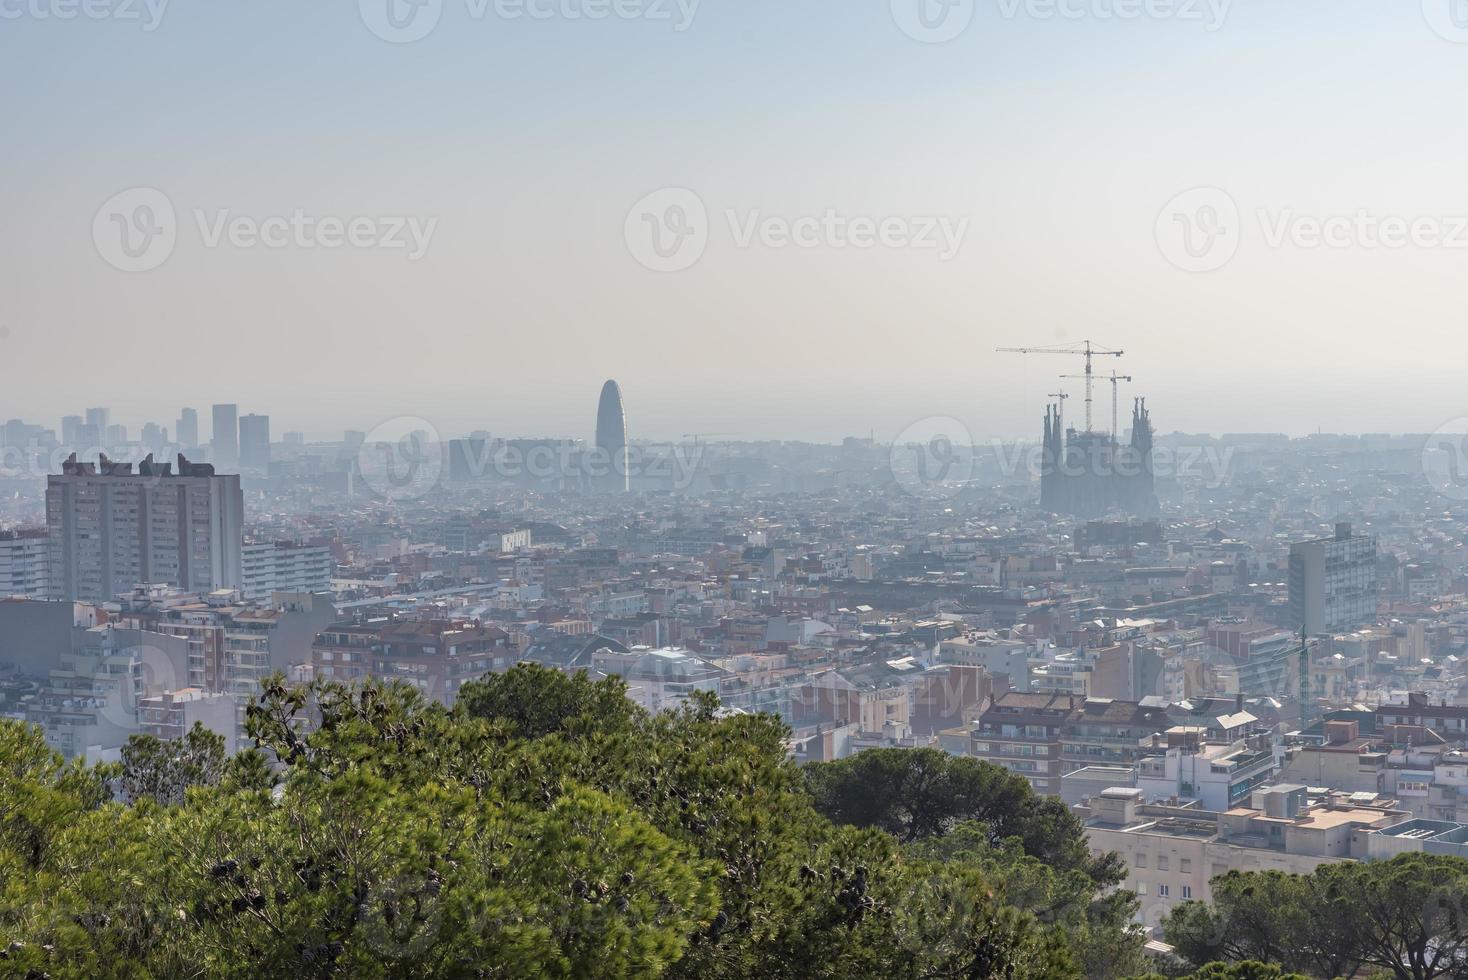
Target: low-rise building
column 1173, row 853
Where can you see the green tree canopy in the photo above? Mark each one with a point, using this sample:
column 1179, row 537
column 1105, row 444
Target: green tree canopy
column 545, row 827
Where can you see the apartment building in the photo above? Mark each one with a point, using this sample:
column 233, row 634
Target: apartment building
column 1332, row 581
column 111, row 528
column 90, row 704
column 25, row 562
column 659, row 679
column 1173, row 853
column 436, row 656
column 1022, row 733
column 1416, row 709
column 996, row 655
column 344, row 651
column 1215, row 775
column 171, row 714
column 285, row 566
column 1107, row 732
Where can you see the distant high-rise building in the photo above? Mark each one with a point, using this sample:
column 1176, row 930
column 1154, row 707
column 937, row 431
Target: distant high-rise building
column 116, row 435
column 255, row 444
column 71, row 426
column 187, row 429
column 611, row 439
column 154, row 438
column 112, row 527
column 101, row 418
column 470, row 460
column 225, row 439
column 1333, row 582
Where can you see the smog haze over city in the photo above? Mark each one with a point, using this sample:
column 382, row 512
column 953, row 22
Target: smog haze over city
column 1052, row 135
column 721, row 489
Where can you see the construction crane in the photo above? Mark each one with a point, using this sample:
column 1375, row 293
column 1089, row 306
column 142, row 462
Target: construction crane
column 1082, row 349
column 1115, row 379
column 699, row 437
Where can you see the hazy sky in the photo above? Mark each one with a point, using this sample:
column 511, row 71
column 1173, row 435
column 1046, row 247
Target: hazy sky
column 1053, row 135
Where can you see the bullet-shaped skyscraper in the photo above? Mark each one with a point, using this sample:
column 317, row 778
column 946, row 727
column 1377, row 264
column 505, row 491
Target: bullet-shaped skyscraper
column 611, row 439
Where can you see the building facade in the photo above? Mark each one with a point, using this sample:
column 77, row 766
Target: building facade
column 611, row 441
column 110, row 528
column 225, row 439
column 1333, row 582
column 25, row 560
column 255, row 445
column 285, row 566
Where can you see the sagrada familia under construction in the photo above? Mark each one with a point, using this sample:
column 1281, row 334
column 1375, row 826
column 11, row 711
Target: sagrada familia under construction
column 1091, row 474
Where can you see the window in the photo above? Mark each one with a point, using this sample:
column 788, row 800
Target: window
column 1187, row 891
column 1187, row 865
column 1161, row 891
column 1162, row 862
column 1141, row 861
column 1141, row 888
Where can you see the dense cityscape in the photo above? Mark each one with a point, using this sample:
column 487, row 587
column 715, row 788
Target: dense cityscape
column 1221, row 654
column 746, row 490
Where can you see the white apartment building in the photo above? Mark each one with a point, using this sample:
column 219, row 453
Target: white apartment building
column 25, row 560
column 1216, row 775
column 284, row 566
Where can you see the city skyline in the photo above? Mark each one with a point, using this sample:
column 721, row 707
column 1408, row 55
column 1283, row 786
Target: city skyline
column 706, row 489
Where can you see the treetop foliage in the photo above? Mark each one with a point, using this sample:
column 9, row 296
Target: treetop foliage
column 543, row 827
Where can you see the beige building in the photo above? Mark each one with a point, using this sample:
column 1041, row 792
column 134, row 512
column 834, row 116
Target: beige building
column 1173, row 853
